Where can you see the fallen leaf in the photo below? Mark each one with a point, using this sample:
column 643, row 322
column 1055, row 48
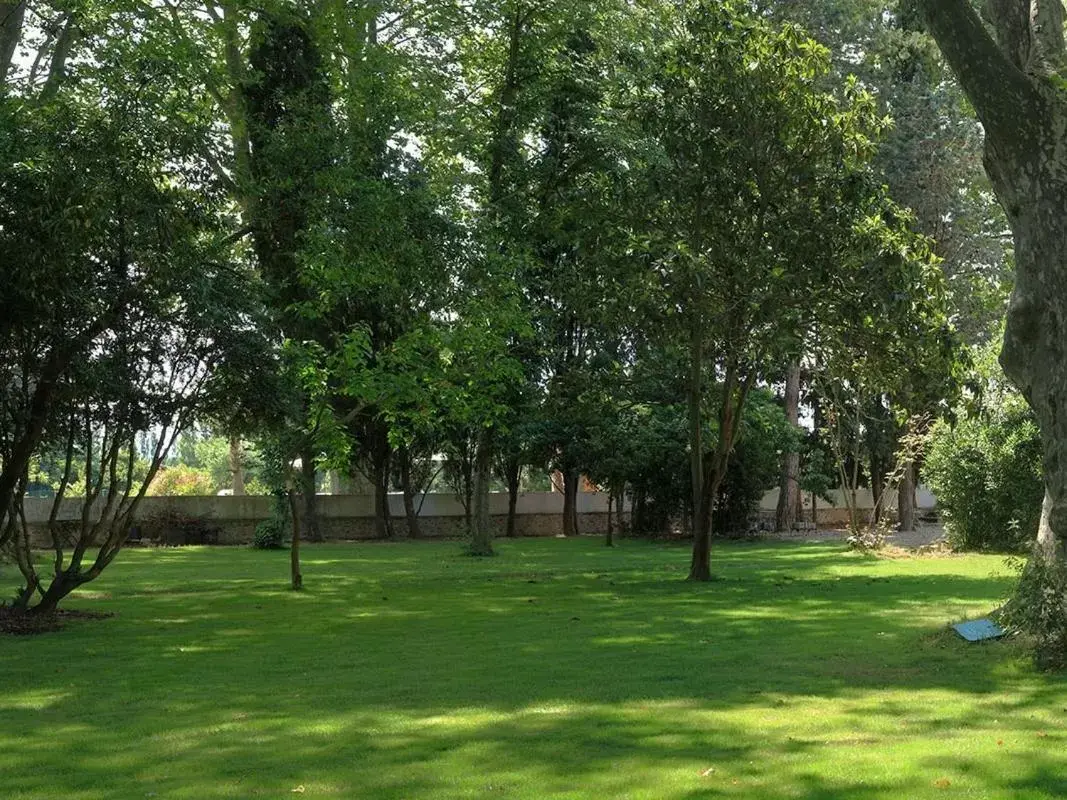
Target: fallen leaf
column 708, row 771
column 942, row 783
column 1000, row 742
column 1041, row 734
column 299, row 789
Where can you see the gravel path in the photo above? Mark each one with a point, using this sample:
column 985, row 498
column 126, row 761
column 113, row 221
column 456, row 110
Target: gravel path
column 925, row 534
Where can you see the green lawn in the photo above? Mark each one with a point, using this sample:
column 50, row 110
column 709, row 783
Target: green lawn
column 558, row 669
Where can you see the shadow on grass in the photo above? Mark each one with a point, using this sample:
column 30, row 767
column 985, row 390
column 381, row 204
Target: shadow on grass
column 560, row 669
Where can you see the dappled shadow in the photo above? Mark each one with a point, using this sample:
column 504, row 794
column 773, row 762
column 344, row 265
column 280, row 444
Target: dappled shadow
column 559, row 669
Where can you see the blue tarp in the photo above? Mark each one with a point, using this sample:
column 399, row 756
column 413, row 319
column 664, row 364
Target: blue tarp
column 979, row 629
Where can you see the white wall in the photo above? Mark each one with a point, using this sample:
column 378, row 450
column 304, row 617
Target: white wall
column 864, row 499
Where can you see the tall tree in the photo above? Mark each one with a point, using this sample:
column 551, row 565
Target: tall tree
column 1011, row 72
column 757, row 186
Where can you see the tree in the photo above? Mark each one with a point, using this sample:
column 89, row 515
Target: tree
column 1012, row 78
column 755, row 188
column 125, row 291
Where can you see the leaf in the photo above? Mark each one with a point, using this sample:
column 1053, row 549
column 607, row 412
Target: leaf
column 298, row 790
column 942, row 783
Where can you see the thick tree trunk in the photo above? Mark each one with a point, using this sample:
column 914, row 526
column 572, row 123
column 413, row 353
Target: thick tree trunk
column 789, row 484
column 412, row 516
column 514, row 473
column 571, row 479
column 1047, row 546
column 308, row 487
column 12, row 15
column 237, row 467
column 1025, row 117
column 60, row 587
column 700, row 564
column 481, row 524
column 906, row 498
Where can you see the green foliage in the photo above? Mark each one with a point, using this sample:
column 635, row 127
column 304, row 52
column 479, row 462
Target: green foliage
column 1038, row 609
column 181, row 481
column 270, row 534
column 985, row 467
column 755, row 464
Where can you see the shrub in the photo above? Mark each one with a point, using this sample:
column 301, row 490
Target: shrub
column 1038, row 610
column 986, row 474
column 181, row 481
column 174, row 528
column 270, row 534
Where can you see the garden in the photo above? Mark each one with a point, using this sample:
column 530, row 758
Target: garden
column 472, row 398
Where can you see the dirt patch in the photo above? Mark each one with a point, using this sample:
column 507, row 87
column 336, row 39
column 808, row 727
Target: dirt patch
column 16, row 622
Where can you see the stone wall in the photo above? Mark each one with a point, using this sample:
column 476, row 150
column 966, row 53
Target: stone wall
column 233, row 520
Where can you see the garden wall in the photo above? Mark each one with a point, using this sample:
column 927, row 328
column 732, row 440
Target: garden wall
column 835, row 513
column 341, row 517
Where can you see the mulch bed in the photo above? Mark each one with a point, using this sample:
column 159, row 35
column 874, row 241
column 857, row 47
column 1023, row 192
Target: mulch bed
column 16, row 622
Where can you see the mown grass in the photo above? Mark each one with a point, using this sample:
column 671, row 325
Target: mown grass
column 559, row 669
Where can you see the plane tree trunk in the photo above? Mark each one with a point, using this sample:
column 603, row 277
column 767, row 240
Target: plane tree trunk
column 1011, row 78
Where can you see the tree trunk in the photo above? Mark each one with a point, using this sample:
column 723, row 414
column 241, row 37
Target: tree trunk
column 412, row 516
column 906, row 498
column 877, row 488
column 11, row 19
column 295, row 576
column 308, row 487
column 514, row 473
column 60, row 587
column 237, row 467
column 571, row 478
column 610, row 540
column 1024, row 114
column 700, row 566
column 789, row 484
column 637, row 513
column 1047, row 547
column 383, row 522
column 481, row 524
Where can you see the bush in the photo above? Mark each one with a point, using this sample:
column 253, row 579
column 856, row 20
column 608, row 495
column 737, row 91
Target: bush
column 270, row 534
column 986, row 474
column 173, row 528
column 182, row 481
column 1038, row 610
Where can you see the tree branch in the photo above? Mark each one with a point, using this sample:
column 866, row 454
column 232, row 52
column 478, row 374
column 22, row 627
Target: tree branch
column 999, row 90
column 1047, row 50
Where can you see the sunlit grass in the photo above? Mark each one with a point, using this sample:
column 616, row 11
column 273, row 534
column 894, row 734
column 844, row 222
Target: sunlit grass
column 558, row 669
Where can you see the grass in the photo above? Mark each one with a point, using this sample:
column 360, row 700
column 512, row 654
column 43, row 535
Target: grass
column 559, row 669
